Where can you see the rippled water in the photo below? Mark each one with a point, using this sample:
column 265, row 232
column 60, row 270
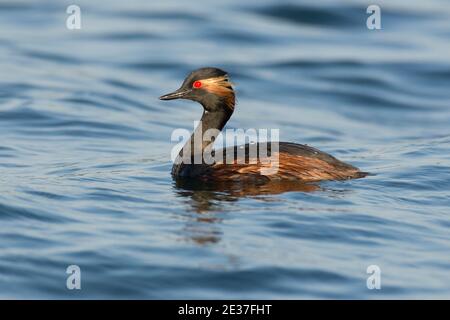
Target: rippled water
column 85, row 150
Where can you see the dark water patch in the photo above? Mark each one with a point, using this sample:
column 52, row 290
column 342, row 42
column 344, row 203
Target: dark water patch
column 115, row 165
column 19, row 6
column 13, row 165
column 35, row 240
column 129, row 101
column 90, row 101
column 108, row 101
column 7, row 6
column 54, row 57
column 407, row 184
column 163, row 15
column 8, row 212
column 154, row 66
column 258, row 280
column 102, row 149
column 313, row 64
column 439, row 73
column 344, row 16
column 114, row 196
column 44, row 123
column 7, row 152
column 124, row 84
column 113, row 127
column 65, row 170
column 368, row 99
column 372, row 74
column 93, row 133
column 241, row 37
column 125, row 36
column 48, row 195
column 363, row 80
column 16, row 87
column 24, row 114
column 308, row 15
column 356, row 236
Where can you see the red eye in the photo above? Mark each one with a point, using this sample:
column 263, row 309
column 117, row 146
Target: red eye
column 197, row 84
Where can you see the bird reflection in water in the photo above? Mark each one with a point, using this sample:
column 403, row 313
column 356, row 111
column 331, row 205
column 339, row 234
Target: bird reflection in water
column 206, row 198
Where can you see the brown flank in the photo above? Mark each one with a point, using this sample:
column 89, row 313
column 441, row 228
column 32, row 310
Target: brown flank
column 291, row 167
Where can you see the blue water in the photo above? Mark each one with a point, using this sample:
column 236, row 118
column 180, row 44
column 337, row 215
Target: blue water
column 85, row 150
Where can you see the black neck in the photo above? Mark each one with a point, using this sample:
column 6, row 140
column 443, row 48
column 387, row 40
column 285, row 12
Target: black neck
column 214, row 120
column 211, row 123
column 193, row 150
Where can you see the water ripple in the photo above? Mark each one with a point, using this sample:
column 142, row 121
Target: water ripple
column 85, row 150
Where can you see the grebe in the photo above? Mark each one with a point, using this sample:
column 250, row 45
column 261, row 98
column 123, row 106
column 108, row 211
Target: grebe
column 211, row 87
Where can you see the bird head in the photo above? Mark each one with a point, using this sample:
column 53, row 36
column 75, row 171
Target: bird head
column 211, row 87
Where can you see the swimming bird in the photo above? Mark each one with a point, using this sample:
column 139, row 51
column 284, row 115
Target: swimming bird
column 212, row 88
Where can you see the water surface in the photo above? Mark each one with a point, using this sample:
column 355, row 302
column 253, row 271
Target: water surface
column 85, row 150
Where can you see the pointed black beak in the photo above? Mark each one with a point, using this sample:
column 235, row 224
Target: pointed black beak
column 180, row 93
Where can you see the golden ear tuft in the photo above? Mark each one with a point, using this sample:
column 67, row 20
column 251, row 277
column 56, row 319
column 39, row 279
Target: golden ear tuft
column 222, row 87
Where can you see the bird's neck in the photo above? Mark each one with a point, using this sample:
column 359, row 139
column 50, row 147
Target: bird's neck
column 207, row 130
